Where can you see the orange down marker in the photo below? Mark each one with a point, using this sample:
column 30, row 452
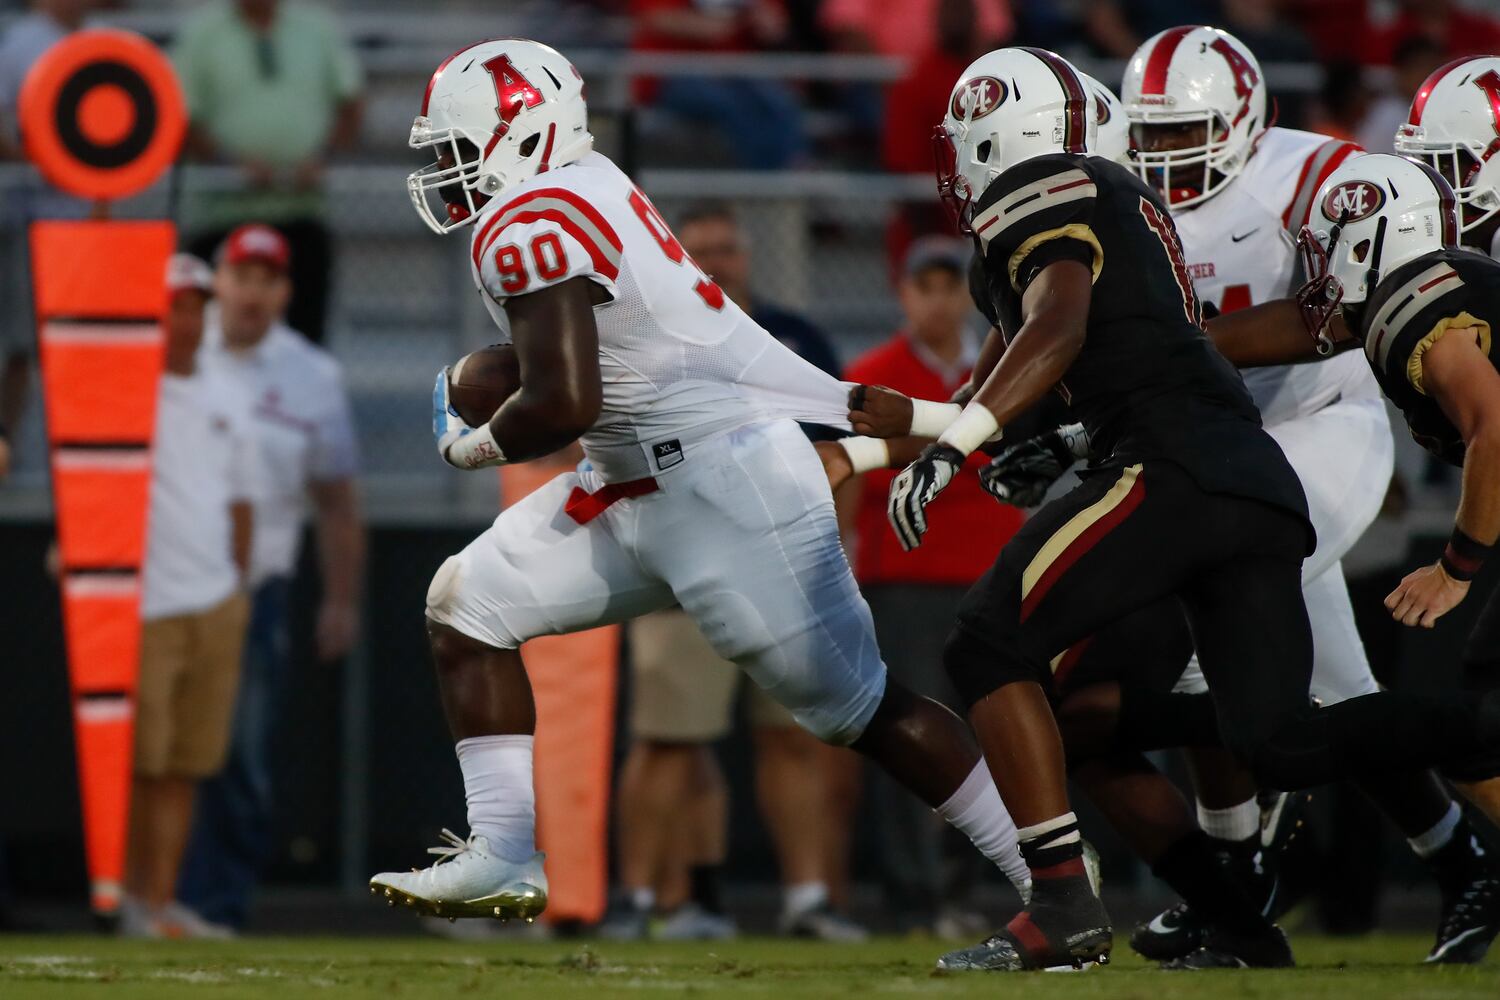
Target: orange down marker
column 101, row 117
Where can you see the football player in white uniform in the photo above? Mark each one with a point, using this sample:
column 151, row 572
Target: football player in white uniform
column 698, row 488
column 1240, row 190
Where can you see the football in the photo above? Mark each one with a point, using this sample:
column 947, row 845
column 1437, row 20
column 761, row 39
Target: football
column 481, row 381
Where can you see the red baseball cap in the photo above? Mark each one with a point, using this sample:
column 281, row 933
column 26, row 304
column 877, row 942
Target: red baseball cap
column 255, row 241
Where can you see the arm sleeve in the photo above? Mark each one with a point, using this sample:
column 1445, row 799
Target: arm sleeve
column 544, row 239
column 1037, row 213
column 335, row 451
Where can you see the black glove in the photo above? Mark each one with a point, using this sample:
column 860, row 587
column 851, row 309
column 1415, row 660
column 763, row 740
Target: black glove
column 917, row 486
column 1022, row 474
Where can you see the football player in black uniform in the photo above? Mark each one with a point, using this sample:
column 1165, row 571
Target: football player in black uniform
column 1185, row 494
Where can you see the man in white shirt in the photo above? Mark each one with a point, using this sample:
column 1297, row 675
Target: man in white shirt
column 203, row 474
column 303, row 424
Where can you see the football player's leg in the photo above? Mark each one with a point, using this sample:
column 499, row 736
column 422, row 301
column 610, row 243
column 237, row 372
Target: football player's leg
column 1257, row 675
column 761, row 568
column 534, row 572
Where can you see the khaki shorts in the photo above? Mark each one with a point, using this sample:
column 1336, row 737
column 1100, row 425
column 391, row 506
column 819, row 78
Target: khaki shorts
column 190, row 670
column 682, row 691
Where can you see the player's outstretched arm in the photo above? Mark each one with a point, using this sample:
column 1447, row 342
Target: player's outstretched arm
column 1272, row 333
column 557, row 345
column 1457, row 373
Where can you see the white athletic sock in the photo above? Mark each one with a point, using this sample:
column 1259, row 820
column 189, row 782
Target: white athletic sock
column 502, row 801
column 1236, row 823
column 643, row 900
column 977, row 811
column 804, row 896
column 1429, row 843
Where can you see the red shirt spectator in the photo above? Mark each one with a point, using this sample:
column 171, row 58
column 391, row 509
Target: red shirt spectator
column 905, row 27
column 1460, row 32
column 693, row 26
column 966, row 527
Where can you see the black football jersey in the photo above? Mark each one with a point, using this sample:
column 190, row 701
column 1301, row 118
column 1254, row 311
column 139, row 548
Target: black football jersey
column 1148, row 384
column 1412, row 307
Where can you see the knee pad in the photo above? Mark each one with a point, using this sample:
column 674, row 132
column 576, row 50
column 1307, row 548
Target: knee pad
column 976, row 667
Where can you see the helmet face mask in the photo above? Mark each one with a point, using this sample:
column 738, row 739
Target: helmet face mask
column 1201, row 81
column 1454, row 126
column 953, row 189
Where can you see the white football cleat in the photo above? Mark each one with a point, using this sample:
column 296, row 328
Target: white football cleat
column 468, row 880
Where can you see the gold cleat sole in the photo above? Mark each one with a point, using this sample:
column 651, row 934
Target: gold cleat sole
column 525, row 902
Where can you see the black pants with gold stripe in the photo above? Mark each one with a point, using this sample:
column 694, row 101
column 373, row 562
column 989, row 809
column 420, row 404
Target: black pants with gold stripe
column 1126, row 538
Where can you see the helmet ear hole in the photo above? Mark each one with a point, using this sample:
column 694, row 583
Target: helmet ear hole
column 982, row 151
column 529, row 146
column 1361, row 250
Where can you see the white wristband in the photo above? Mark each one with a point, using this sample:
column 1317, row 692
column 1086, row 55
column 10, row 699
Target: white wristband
column 929, row 419
column 866, row 453
column 974, row 427
column 475, row 450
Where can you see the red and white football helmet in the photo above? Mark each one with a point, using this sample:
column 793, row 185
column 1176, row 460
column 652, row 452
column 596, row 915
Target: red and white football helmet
column 1194, row 76
column 1008, row 106
column 1113, row 140
column 1373, row 214
column 1455, row 126
column 497, row 112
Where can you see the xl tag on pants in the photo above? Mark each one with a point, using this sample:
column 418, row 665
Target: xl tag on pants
column 666, row 454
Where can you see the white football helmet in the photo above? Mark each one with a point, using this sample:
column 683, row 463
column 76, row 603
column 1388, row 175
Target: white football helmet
column 1113, row 139
column 1455, row 126
column 1185, row 78
column 1373, row 214
column 1008, row 106
column 498, row 112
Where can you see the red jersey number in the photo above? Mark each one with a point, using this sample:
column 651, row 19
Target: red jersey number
column 1167, row 233
column 547, row 256
column 711, row 294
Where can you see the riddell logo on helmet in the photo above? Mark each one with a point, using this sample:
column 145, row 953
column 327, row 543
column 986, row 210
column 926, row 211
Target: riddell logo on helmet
column 977, row 97
column 1156, row 100
column 1353, row 201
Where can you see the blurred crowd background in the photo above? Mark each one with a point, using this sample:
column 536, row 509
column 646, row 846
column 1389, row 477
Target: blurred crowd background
column 788, row 142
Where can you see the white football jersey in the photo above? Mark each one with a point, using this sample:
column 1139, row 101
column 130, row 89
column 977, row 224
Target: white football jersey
column 1241, row 251
column 680, row 361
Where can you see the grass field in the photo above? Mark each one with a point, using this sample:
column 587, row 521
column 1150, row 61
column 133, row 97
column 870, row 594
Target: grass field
column 336, row 968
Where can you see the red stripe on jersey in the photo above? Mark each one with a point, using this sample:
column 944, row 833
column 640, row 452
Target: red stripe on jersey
column 1419, row 103
column 602, row 264
column 1070, row 185
column 1155, row 79
column 1308, row 186
column 562, row 194
column 1090, row 537
column 1447, row 276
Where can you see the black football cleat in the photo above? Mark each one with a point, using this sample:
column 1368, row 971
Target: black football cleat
column 1171, row 934
column 1065, row 928
column 1470, row 881
column 1226, row 950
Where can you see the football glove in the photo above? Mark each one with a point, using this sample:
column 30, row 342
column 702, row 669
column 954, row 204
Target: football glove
column 1022, row 474
column 461, row 446
column 916, row 487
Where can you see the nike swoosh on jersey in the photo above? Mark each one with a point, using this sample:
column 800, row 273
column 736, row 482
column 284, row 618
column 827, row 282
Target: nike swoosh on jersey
column 1244, row 236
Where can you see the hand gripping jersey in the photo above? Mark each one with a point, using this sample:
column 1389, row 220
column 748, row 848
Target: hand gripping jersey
column 1241, row 251
column 1415, row 305
column 681, row 363
column 1147, row 383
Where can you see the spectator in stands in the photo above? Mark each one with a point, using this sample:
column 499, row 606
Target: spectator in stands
column 760, row 119
column 204, row 471
column 1414, row 59
column 306, row 435
column 24, row 42
column 273, row 89
column 1118, row 27
column 1454, row 30
column 1262, row 26
column 1344, row 100
column 909, row 28
column 672, row 811
column 914, row 595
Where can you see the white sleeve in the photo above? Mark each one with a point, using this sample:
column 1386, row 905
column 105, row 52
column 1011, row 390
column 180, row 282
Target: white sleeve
column 247, row 471
column 542, row 239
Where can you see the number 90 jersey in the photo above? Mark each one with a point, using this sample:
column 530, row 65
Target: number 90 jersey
column 681, row 363
column 1240, row 247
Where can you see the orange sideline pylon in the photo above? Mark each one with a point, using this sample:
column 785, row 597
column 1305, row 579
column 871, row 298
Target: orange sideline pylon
column 100, row 300
column 573, row 678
